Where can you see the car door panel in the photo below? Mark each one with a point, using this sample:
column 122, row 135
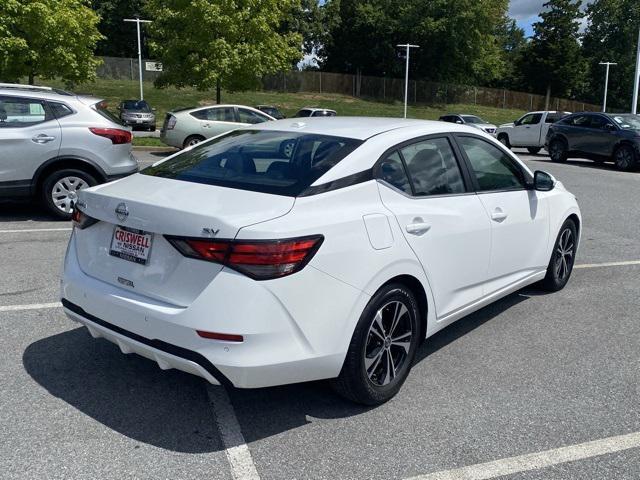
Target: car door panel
column 29, row 136
column 449, row 233
column 519, row 216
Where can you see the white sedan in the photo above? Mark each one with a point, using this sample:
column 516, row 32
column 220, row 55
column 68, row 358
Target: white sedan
column 328, row 248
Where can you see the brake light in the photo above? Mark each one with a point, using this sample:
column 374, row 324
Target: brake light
column 81, row 220
column 171, row 122
column 258, row 259
column 116, row 135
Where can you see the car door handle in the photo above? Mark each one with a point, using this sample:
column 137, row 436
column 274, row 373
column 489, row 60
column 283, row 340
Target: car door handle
column 418, row 227
column 43, row 138
column 498, row 215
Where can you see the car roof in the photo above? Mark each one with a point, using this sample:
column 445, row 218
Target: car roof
column 360, row 128
column 316, row 109
column 227, row 105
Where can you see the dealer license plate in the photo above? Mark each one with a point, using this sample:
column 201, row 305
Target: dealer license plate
column 131, row 244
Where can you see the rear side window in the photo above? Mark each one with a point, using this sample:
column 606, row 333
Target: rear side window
column 493, row 168
column 433, row 168
column 531, row 119
column 578, row 121
column 22, row 112
column 281, row 163
column 60, row 110
column 392, row 171
column 323, row 113
column 218, row 114
column 103, row 109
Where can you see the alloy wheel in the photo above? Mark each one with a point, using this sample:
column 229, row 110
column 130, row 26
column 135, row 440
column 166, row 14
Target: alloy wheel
column 624, row 158
column 65, row 192
column 564, row 254
column 388, row 343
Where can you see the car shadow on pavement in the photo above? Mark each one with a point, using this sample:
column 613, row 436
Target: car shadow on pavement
column 126, row 393
column 23, row 210
column 170, row 409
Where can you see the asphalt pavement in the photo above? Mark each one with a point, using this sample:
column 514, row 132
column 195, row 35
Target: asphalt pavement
column 545, row 382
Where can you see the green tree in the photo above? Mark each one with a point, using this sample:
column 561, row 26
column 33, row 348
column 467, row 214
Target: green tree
column 611, row 36
column 553, row 62
column 119, row 37
column 227, row 44
column 458, row 38
column 512, row 43
column 48, row 38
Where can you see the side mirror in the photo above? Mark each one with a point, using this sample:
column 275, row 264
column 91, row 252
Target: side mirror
column 543, row 182
column 610, row 127
column 516, row 123
column 459, row 122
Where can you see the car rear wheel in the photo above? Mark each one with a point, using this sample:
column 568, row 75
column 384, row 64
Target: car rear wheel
column 503, row 138
column 192, row 140
column 562, row 259
column 534, row 150
column 60, row 190
column 382, row 348
column 558, row 150
column 624, row 158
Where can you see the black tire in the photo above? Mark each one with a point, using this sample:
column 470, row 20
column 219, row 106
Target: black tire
column 192, row 140
column 503, row 138
column 625, row 158
column 561, row 264
column 372, row 340
column 558, row 150
column 152, row 128
column 534, row 150
column 75, row 180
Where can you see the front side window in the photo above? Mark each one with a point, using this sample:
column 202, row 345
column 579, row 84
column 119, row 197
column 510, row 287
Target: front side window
column 22, row 112
column 281, row 163
column 303, row 113
column 598, row 122
column 392, row 171
column 433, row 168
column 578, row 121
column 531, row 119
column 493, row 168
column 249, row 116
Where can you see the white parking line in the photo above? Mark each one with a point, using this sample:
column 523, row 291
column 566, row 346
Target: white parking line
column 536, row 461
column 607, row 264
column 35, row 230
column 236, row 449
column 31, row 306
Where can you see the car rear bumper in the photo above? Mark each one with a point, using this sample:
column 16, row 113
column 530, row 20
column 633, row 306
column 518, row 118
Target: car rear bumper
column 285, row 340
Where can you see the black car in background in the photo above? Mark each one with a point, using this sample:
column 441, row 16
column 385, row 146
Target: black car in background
column 272, row 111
column 596, row 136
column 137, row 114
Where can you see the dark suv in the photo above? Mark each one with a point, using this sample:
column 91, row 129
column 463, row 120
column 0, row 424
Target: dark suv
column 596, row 136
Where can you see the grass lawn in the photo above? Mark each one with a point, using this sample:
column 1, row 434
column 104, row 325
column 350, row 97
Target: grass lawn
column 170, row 98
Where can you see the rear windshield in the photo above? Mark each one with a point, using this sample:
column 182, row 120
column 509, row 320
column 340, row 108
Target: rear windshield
column 281, row 163
column 103, row 109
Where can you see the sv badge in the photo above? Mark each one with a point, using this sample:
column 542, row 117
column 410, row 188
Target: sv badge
column 210, row 232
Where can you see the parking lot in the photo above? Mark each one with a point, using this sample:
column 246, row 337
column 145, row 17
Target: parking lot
column 524, row 383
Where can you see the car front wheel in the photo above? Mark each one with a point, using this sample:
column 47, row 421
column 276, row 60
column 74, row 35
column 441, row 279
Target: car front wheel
column 382, row 348
column 563, row 258
column 624, row 158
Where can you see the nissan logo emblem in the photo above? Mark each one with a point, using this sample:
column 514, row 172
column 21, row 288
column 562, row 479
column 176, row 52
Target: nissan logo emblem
column 122, row 212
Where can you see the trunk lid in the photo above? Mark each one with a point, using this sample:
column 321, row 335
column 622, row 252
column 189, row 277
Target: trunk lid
column 161, row 206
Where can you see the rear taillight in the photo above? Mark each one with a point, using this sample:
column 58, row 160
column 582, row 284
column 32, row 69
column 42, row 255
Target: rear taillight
column 258, row 259
column 81, row 220
column 171, row 122
column 116, row 135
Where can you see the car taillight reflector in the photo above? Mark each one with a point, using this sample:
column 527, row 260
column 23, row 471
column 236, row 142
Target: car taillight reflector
column 81, row 220
column 258, row 259
column 116, row 135
column 226, row 337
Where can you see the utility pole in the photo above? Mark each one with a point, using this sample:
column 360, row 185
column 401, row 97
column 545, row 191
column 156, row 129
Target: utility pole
column 606, row 85
column 138, row 21
column 636, row 80
column 408, row 46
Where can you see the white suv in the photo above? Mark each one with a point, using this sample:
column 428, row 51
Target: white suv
column 54, row 143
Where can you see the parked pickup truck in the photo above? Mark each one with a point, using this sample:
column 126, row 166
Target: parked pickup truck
column 529, row 131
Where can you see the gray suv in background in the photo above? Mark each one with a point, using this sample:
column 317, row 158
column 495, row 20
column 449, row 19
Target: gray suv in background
column 137, row 114
column 54, row 143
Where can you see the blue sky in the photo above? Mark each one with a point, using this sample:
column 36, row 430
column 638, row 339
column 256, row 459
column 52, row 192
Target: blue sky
column 526, row 12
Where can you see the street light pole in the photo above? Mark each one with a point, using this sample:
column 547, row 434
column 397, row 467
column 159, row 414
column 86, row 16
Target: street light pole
column 408, row 46
column 138, row 21
column 636, row 80
column 606, row 85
